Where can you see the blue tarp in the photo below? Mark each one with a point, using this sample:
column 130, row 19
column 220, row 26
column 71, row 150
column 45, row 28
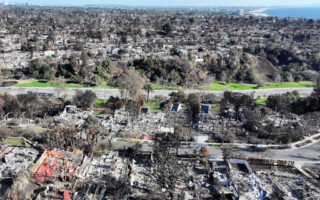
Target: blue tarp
column 175, row 107
column 205, row 108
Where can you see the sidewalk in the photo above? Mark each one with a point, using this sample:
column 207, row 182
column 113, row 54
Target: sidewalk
column 244, row 145
column 293, row 145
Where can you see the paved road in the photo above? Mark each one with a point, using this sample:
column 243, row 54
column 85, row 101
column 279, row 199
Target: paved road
column 106, row 93
column 309, row 154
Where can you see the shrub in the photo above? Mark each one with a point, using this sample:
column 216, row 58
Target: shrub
column 260, row 84
column 303, row 143
column 296, row 93
column 299, row 78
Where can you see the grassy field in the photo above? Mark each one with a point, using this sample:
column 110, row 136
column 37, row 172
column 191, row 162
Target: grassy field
column 219, row 86
column 159, row 87
column 35, row 83
column 154, row 106
column 261, row 101
column 14, row 142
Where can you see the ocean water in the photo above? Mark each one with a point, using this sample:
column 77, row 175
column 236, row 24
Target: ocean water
column 304, row 12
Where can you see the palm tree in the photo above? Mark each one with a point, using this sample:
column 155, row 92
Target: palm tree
column 148, row 88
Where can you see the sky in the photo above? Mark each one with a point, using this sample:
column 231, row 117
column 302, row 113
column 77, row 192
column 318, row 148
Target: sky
column 174, row 2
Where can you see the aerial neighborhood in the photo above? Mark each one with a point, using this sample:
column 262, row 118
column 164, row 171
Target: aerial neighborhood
column 114, row 102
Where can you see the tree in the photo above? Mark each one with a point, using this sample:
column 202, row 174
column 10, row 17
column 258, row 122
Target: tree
column 238, row 100
column 255, row 76
column 29, row 104
column 277, row 78
column 84, row 99
column 133, row 108
column 114, row 103
column 290, row 78
column 84, row 57
column 207, row 81
column 223, row 76
column 228, row 81
column 225, row 134
column 275, row 101
column 205, row 152
column 131, row 82
column 97, row 80
column 59, row 86
column 51, row 37
column 165, row 143
column 226, row 153
column 194, row 109
column 148, row 88
column 48, row 75
column 167, row 171
column 150, row 64
column 168, row 28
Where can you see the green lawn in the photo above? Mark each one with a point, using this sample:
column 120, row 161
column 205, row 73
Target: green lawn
column 215, row 107
column 99, row 101
column 159, row 87
column 105, row 86
column 98, row 112
column 14, row 142
column 219, row 86
column 35, row 83
column 261, row 101
column 154, row 106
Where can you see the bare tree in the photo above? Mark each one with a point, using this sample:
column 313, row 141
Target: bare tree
column 207, row 81
column 277, row 79
column 59, row 86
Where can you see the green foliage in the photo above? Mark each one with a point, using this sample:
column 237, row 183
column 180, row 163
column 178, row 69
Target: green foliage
column 97, row 80
column 260, row 101
column 84, row 99
column 255, row 76
column 84, row 57
column 150, row 64
column 77, row 78
column 141, row 72
column 299, row 78
column 228, row 81
column 175, row 76
column 101, row 71
column 48, row 75
column 107, row 62
column 6, row 74
column 296, row 93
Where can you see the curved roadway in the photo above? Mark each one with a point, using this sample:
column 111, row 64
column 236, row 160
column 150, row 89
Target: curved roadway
column 106, row 93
